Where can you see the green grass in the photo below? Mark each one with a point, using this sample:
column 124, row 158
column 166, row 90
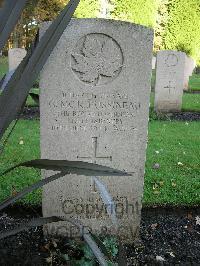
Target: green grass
column 169, row 144
column 194, row 83
column 30, row 102
column 175, row 147
column 14, row 153
column 191, row 102
column 3, row 66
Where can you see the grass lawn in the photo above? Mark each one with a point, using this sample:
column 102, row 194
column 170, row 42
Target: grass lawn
column 174, row 145
column 3, row 66
column 26, row 132
column 191, row 102
column 194, row 83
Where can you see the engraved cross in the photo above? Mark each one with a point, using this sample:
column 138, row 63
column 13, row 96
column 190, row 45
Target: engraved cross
column 169, row 87
column 94, row 156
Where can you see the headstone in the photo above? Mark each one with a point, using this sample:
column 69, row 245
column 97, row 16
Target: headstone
column 154, row 62
column 190, row 65
column 43, row 27
column 95, row 90
column 15, row 56
column 169, row 81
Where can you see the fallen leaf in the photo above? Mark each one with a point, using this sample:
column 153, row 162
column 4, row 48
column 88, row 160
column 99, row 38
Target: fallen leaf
column 54, row 243
column 154, row 226
column 49, row 260
column 161, row 183
column 14, row 191
column 156, row 166
column 172, row 254
column 197, row 218
column 159, row 258
column 173, row 184
column 155, row 186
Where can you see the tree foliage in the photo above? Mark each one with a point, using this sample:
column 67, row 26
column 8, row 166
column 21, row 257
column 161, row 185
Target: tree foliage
column 35, row 12
column 176, row 22
column 88, row 9
column 138, row 11
column 161, row 22
column 182, row 29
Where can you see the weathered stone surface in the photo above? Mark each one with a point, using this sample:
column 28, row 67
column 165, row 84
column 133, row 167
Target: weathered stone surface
column 190, row 65
column 94, row 101
column 169, row 81
column 15, row 56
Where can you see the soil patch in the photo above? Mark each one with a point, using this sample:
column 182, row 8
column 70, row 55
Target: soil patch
column 168, row 237
column 185, row 116
column 30, row 113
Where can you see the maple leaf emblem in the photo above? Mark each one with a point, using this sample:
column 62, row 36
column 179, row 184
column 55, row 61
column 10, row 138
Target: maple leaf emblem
column 97, row 60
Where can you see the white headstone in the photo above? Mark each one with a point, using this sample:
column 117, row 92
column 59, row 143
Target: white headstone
column 94, row 108
column 169, row 81
column 190, row 65
column 154, row 62
column 15, row 56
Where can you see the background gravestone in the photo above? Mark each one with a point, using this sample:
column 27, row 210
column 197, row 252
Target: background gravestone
column 169, row 81
column 190, row 65
column 43, row 27
column 154, row 62
column 95, row 90
column 15, row 56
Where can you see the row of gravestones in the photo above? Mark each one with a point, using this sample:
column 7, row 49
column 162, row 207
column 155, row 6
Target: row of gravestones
column 94, row 107
column 173, row 70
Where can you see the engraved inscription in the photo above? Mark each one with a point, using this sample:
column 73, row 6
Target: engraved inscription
column 94, row 208
column 97, row 59
column 93, row 112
